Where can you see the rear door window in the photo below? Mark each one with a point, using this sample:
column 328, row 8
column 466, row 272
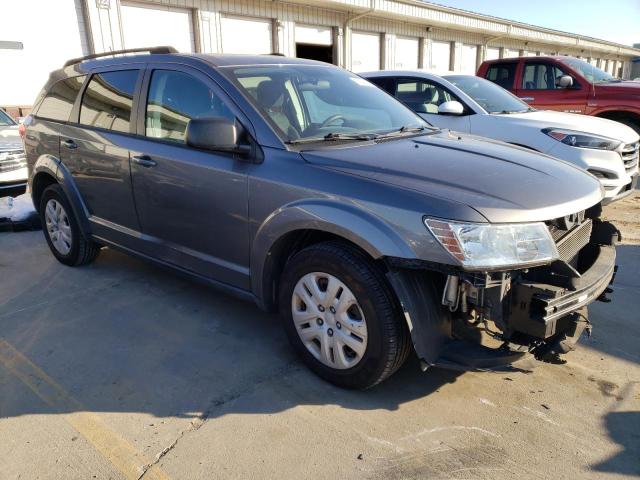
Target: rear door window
column 502, row 74
column 174, row 99
column 108, row 100
column 421, row 96
column 58, row 102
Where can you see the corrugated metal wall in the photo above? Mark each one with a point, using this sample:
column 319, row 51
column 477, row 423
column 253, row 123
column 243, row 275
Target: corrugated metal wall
column 457, row 28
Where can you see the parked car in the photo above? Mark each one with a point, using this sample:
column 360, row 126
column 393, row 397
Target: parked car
column 469, row 104
column 13, row 164
column 567, row 84
column 308, row 190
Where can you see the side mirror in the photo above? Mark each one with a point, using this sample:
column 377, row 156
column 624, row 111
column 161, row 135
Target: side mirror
column 451, row 107
column 565, row 81
column 215, row 133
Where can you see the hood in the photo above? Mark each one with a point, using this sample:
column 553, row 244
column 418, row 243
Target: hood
column 10, row 138
column 571, row 121
column 620, row 88
column 501, row 182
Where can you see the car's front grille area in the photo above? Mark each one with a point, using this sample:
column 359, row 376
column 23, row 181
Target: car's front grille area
column 12, row 160
column 575, row 240
column 571, row 234
column 629, row 154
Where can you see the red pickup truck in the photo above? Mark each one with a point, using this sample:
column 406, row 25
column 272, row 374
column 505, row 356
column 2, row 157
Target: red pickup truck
column 567, row 84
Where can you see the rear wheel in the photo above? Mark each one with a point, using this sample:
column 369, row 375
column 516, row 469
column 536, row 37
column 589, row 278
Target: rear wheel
column 61, row 229
column 341, row 316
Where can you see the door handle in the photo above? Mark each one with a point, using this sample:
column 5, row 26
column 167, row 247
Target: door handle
column 527, row 99
column 70, row 144
column 144, row 161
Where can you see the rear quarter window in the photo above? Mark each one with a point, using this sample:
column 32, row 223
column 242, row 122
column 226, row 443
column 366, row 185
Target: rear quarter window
column 502, row 74
column 58, row 102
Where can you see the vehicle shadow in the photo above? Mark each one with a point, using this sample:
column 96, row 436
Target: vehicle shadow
column 624, row 429
column 125, row 336
column 614, row 330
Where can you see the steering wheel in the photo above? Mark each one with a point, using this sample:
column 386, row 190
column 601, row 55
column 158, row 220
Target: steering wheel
column 332, row 119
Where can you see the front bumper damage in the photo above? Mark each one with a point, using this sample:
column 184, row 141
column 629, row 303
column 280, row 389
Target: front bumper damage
column 491, row 320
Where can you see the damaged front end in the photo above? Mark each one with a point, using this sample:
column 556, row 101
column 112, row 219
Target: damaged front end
column 491, row 319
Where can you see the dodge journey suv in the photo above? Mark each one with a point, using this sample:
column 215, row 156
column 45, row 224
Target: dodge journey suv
column 308, row 190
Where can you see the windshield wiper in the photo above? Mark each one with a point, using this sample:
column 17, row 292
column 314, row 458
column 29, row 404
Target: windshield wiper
column 333, row 136
column 509, row 112
column 409, row 128
column 401, row 130
column 358, row 136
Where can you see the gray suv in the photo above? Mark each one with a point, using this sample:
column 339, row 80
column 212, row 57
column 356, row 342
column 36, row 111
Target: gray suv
column 308, row 190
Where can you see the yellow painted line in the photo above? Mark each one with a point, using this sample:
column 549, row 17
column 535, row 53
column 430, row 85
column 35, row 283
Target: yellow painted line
column 120, row 453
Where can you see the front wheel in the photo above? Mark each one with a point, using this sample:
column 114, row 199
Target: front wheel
column 341, row 316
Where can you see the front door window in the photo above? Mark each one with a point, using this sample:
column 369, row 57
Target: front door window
column 174, row 99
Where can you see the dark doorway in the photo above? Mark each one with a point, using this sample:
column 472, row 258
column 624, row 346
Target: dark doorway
column 322, row 53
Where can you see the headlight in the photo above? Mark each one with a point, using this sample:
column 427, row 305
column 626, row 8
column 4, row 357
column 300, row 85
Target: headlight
column 582, row 140
column 479, row 245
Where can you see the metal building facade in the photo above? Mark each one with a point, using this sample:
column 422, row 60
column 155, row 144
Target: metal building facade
column 356, row 34
column 402, row 26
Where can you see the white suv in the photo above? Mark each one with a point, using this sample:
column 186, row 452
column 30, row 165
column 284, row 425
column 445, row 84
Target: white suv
column 469, row 104
column 13, row 163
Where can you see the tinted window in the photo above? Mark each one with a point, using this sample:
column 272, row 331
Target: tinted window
column 503, row 74
column 421, row 96
column 386, row 84
column 5, row 119
column 108, row 99
column 174, row 99
column 540, row 76
column 58, row 103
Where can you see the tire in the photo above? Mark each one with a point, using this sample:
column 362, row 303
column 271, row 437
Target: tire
column 65, row 241
column 385, row 342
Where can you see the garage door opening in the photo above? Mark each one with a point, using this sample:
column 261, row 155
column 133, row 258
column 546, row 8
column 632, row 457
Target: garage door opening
column 314, row 43
column 321, row 53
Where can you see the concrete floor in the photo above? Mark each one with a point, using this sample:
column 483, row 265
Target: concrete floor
column 122, row 370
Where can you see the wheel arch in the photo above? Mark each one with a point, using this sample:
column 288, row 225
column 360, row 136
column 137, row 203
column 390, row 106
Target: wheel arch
column 621, row 115
column 299, row 225
column 48, row 170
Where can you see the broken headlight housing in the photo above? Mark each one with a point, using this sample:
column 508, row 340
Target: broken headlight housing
column 487, row 246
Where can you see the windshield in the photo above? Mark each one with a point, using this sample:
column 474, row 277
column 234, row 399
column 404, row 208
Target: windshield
column 306, row 102
column 491, row 97
column 588, row 71
column 5, row 119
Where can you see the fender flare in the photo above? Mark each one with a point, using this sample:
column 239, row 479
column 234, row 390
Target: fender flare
column 53, row 167
column 362, row 228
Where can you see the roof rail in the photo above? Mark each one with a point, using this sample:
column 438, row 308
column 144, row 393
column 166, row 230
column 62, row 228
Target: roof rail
column 152, row 50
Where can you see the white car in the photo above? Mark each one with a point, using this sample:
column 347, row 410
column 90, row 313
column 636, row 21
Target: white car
column 13, row 163
column 469, row 104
